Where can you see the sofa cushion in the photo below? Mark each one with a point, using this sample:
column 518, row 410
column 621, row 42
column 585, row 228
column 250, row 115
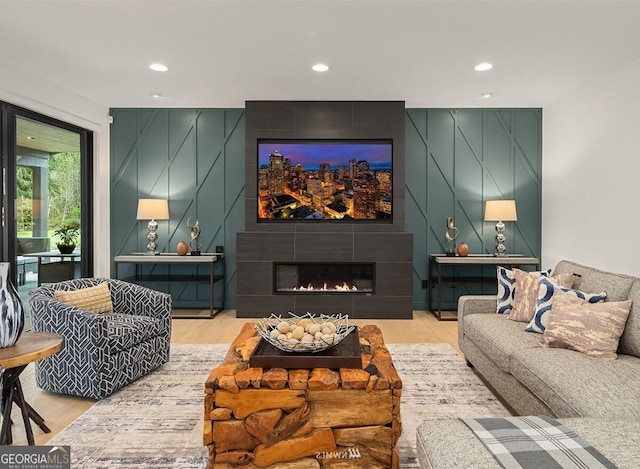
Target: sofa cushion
column 546, row 293
column 126, row 330
column 450, row 444
column 507, row 288
column 630, row 340
column 498, row 337
column 576, row 385
column 526, row 295
column 592, row 280
column 594, row 329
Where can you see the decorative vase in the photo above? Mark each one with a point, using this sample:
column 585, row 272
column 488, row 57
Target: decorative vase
column 182, row 248
column 11, row 309
column 66, row 248
column 463, row 250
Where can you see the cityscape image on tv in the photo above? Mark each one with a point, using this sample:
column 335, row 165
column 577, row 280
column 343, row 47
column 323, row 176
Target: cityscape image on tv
column 325, row 180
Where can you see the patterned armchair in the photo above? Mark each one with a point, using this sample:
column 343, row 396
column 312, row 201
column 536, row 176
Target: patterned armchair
column 102, row 352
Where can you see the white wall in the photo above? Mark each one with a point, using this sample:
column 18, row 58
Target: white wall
column 591, row 174
column 35, row 93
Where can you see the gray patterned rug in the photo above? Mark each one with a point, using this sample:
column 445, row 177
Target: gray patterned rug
column 156, row 422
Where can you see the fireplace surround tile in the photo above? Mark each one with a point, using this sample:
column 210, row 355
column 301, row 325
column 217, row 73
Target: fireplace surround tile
column 325, row 304
column 323, row 246
column 388, row 247
column 276, row 246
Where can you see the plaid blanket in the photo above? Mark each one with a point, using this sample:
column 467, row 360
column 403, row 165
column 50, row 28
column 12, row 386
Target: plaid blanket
column 536, row 443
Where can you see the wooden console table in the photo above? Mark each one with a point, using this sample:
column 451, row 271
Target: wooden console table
column 210, row 259
column 30, row 347
column 277, row 417
column 437, row 280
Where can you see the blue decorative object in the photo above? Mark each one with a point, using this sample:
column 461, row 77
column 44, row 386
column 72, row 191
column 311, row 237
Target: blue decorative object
column 11, row 309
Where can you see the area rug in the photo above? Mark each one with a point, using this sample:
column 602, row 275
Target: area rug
column 156, row 422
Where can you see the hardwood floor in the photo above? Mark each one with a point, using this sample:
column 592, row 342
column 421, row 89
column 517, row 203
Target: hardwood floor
column 60, row 410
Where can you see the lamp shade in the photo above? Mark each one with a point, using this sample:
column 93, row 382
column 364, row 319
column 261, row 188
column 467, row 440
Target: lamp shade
column 500, row 210
column 153, row 209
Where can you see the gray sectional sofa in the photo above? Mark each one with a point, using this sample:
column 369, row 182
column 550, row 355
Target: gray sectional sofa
column 533, row 380
column 598, row 398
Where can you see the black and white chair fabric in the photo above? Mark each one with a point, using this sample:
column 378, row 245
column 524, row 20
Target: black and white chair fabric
column 101, row 352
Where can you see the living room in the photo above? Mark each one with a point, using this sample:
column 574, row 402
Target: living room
column 574, row 63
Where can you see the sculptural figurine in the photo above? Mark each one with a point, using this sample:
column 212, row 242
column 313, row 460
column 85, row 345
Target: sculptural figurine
column 451, row 233
column 196, row 243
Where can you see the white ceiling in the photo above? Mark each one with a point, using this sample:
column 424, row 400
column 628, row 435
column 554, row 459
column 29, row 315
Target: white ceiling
column 221, row 52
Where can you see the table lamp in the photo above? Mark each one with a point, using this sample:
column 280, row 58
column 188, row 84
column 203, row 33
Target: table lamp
column 152, row 209
column 500, row 211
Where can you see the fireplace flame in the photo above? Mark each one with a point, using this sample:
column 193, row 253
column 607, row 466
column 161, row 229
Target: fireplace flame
column 324, row 287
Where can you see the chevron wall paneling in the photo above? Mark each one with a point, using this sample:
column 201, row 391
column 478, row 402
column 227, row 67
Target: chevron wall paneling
column 458, row 158
column 195, row 159
column 455, row 160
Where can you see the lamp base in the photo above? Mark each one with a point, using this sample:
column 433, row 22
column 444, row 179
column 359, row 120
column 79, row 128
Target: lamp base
column 500, row 239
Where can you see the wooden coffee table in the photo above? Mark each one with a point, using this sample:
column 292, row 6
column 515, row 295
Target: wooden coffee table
column 305, row 417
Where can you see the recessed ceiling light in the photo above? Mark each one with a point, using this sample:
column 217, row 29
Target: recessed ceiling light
column 158, row 67
column 156, row 95
column 29, row 137
column 320, row 68
column 483, row 67
column 486, row 95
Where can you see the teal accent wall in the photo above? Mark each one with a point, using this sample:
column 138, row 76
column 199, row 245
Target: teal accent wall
column 195, row 159
column 456, row 159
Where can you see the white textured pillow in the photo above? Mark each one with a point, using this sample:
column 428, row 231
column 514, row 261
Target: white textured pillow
column 92, row 299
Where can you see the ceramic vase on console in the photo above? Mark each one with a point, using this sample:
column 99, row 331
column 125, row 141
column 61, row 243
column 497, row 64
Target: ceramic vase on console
column 11, row 309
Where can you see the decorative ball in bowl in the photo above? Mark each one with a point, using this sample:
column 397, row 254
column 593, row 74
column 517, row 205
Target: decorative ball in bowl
column 307, row 333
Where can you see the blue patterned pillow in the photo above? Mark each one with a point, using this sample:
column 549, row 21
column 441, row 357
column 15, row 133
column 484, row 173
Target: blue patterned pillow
column 506, row 288
column 545, row 300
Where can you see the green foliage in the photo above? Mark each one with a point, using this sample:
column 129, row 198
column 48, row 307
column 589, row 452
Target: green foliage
column 68, row 233
column 63, row 203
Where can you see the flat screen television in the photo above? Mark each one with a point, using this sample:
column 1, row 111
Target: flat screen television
column 307, row 180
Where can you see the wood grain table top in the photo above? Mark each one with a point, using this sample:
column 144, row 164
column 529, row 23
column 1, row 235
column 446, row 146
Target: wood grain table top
column 30, row 347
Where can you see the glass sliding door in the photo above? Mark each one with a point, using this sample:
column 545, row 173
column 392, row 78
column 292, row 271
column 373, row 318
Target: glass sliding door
column 47, row 234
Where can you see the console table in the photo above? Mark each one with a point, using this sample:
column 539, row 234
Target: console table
column 439, row 261
column 211, row 278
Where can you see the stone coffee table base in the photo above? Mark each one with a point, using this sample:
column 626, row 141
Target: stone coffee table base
column 307, row 418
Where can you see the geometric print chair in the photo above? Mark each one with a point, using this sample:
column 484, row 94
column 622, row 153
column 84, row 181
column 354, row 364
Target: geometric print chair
column 101, row 352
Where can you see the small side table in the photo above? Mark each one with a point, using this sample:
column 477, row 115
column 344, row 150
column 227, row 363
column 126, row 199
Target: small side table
column 30, row 347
